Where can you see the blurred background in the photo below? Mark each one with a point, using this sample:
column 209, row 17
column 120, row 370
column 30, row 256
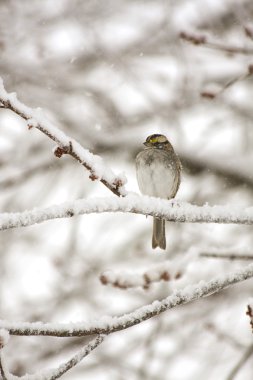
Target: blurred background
column 109, row 73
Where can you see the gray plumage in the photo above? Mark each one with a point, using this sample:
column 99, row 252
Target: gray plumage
column 158, row 171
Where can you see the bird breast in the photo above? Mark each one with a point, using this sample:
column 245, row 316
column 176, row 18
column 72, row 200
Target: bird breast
column 157, row 173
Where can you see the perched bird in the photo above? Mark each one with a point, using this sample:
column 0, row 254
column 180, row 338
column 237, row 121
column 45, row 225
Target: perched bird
column 158, row 170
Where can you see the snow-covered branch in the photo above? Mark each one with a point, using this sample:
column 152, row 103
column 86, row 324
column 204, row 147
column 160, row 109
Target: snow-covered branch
column 165, row 271
column 169, row 210
column 54, row 374
column 85, row 351
column 65, row 145
column 107, row 324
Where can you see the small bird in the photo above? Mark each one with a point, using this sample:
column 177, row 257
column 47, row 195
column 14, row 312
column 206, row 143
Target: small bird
column 158, row 170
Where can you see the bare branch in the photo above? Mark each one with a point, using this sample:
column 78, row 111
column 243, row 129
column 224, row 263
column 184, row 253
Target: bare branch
column 212, row 94
column 199, row 39
column 250, row 314
column 66, row 145
column 247, row 354
column 248, row 29
column 4, row 338
column 108, row 325
column 3, row 369
column 228, row 256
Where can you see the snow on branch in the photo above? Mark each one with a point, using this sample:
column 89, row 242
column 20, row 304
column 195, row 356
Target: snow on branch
column 107, row 324
column 165, row 271
column 170, row 210
column 65, row 145
column 54, row 374
column 85, row 351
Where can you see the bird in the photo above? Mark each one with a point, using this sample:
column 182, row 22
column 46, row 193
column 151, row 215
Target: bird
column 158, row 172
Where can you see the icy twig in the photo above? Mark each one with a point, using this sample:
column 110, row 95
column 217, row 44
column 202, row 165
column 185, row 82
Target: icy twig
column 63, row 368
column 164, row 271
column 54, row 374
column 170, row 210
column 85, row 351
column 107, row 325
column 65, row 145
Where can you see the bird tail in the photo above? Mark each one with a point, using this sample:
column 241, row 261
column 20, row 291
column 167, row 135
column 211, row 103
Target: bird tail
column 158, row 238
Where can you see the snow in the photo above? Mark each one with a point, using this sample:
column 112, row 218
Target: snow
column 109, row 324
column 4, row 337
column 165, row 271
column 158, row 92
column 58, row 372
column 36, row 118
column 168, row 209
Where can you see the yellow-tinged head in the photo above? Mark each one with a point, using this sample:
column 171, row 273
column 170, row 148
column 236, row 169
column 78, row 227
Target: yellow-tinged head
column 155, row 140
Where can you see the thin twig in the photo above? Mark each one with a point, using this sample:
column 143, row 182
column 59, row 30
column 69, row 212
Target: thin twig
column 248, row 29
column 109, row 325
column 198, row 39
column 249, row 312
column 228, row 256
column 247, row 354
column 212, row 94
column 85, row 351
column 3, row 370
column 63, row 368
column 4, row 338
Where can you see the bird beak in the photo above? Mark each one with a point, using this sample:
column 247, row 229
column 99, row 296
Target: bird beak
column 146, row 143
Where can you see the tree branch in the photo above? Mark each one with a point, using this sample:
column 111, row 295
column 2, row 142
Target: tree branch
column 246, row 355
column 3, row 369
column 169, row 210
column 63, row 368
column 200, row 39
column 4, row 338
column 108, row 325
column 66, row 145
column 165, row 271
column 54, row 374
column 249, row 312
column 227, row 256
